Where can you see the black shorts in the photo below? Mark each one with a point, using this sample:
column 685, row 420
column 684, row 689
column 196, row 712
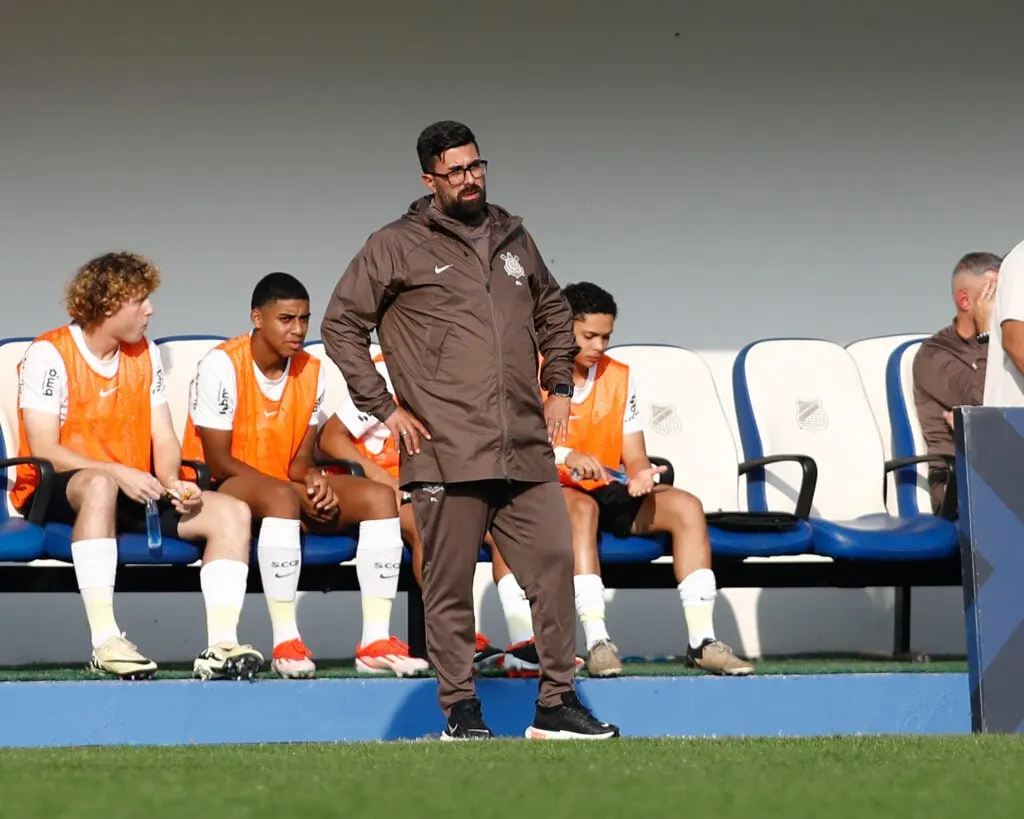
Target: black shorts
column 617, row 509
column 130, row 516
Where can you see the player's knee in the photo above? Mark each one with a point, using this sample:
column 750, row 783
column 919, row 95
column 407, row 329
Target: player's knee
column 687, row 509
column 380, row 502
column 583, row 510
column 280, row 500
column 234, row 516
column 93, row 490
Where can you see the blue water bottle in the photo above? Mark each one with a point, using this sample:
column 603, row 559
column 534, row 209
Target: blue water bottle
column 153, row 535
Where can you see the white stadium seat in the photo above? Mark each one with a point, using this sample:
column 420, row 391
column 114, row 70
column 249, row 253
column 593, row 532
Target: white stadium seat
column 872, row 358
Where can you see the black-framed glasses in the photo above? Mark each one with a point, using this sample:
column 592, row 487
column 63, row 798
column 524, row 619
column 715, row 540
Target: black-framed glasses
column 456, row 176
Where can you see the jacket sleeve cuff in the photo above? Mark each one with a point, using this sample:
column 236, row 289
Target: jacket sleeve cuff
column 384, row 410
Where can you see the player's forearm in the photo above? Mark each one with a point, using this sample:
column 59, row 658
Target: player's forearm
column 166, row 462
column 230, row 467
column 299, row 468
column 635, row 465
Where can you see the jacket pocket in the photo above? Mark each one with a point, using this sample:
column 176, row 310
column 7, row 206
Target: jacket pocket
column 433, row 349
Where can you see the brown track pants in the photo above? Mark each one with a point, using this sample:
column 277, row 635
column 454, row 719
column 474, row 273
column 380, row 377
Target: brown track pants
column 530, row 525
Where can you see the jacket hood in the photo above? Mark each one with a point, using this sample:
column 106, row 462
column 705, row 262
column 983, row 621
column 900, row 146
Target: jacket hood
column 422, row 211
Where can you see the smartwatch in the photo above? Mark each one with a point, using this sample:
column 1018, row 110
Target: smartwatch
column 562, row 390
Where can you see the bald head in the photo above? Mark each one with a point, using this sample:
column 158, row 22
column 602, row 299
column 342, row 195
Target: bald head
column 972, row 274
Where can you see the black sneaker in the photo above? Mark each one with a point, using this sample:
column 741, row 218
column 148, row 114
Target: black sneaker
column 466, row 721
column 570, row 720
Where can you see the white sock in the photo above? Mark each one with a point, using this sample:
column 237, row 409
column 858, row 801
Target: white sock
column 223, row 585
column 697, row 592
column 279, row 553
column 517, row 610
column 590, row 607
column 378, row 559
column 95, row 564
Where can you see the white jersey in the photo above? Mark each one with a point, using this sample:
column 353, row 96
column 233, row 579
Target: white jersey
column 214, row 391
column 1004, row 383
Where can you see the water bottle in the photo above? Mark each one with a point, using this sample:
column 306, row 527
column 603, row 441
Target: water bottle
column 613, row 474
column 153, row 535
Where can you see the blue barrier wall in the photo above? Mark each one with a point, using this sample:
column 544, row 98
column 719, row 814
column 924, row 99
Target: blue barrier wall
column 190, row 712
column 990, row 484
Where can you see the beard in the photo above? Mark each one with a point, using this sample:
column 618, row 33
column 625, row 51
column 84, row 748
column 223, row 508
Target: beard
column 461, row 208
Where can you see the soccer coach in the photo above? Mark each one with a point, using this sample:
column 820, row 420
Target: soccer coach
column 463, row 303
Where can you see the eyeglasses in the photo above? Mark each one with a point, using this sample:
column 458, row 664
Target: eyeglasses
column 456, row 176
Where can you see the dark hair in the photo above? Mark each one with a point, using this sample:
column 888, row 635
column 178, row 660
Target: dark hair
column 278, row 287
column 977, row 264
column 587, row 299
column 442, row 136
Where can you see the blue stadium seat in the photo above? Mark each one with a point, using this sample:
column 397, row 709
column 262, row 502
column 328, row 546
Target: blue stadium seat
column 685, row 424
column 318, row 550
column 131, row 548
column 806, row 396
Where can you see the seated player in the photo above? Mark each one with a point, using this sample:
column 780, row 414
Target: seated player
column 605, row 430
column 91, row 401
column 353, row 435
column 254, row 412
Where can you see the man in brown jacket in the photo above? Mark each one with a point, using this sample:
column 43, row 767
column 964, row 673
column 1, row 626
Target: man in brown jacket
column 949, row 369
column 463, row 303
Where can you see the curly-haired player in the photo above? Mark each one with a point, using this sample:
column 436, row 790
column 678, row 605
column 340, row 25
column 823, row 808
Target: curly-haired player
column 91, row 401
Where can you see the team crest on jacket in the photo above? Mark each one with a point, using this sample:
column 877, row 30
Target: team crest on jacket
column 512, row 267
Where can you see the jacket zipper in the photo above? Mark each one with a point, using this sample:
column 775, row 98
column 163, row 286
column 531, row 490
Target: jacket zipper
column 501, row 369
column 485, row 273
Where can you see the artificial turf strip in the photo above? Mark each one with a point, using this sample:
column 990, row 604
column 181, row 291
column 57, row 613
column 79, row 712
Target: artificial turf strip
column 892, row 777
column 345, row 669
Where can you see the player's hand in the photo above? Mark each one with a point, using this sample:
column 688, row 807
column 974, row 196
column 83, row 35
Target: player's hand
column 406, row 429
column 319, row 493
column 185, row 496
column 587, row 466
column 983, row 308
column 643, row 482
column 138, row 485
column 556, row 413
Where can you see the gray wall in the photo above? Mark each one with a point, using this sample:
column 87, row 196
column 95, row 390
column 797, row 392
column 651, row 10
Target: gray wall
column 730, row 169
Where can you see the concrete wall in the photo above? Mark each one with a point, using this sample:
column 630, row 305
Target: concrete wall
column 731, row 170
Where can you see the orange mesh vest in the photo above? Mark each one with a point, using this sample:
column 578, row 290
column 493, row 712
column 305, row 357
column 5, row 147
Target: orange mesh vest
column 595, row 425
column 265, row 434
column 388, row 458
column 108, row 419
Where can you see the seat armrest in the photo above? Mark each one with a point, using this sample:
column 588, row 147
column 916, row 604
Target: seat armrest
column 808, row 483
column 202, row 479
column 346, row 466
column 947, row 509
column 41, row 496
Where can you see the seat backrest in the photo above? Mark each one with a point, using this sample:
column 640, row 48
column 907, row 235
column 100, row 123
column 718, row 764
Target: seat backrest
column 805, row 396
column 180, row 356
column 8, row 449
column 872, row 357
column 684, row 421
column 336, row 386
column 911, row 483
column 12, row 350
